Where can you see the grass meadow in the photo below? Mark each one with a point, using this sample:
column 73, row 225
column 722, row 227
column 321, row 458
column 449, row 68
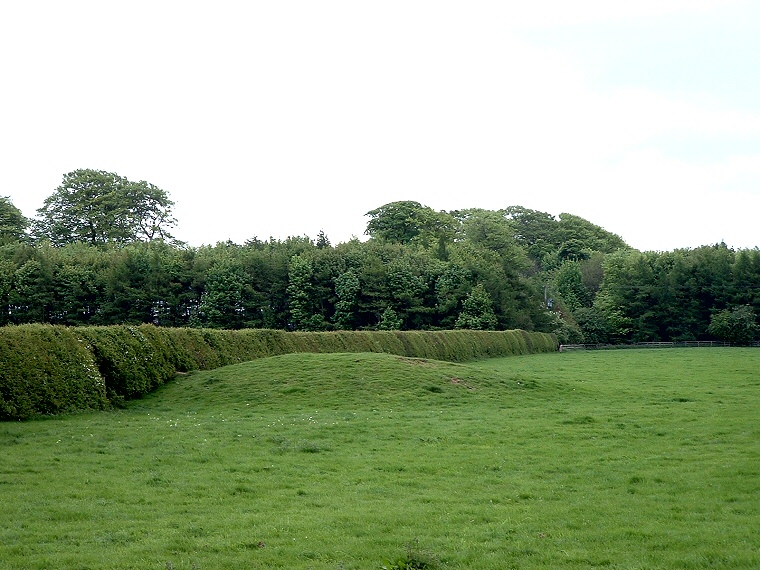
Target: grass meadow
column 635, row 459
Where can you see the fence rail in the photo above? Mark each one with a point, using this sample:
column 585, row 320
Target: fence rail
column 688, row 343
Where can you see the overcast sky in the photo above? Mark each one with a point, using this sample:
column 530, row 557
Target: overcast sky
column 277, row 118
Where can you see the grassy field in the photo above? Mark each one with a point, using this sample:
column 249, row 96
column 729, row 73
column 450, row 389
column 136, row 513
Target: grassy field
column 622, row 459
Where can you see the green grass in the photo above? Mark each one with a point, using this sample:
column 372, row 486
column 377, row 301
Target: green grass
column 623, row 460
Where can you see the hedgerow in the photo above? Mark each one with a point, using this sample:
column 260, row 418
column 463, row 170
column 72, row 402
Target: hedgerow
column 47, row 369
column 132, row 362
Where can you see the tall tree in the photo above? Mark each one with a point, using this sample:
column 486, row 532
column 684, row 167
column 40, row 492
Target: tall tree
column 550, row 241
column 223, row 302
column 569, row 283
column 451, row 288
column 300, row 300
column 98, row 207
column 477, row 311
column 737, row 326
column 746, row 278
column 13, row 224
column 347, row 289
column 7, row 270
column 148, row 211
column 407, row 287
column 408, row 221
column 579, row 237
column 535, row 231
column 31, row 298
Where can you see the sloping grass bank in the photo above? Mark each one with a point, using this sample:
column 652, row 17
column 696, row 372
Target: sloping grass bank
column 624, row 460
column 48, row 369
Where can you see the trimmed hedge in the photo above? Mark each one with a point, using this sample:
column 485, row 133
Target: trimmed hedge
column 48, row 369
column 132, row 360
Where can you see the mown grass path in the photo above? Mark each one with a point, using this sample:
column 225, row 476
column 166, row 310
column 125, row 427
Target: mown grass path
column 629, row 460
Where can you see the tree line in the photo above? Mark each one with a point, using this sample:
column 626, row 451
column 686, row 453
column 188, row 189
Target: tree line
column 100, row 252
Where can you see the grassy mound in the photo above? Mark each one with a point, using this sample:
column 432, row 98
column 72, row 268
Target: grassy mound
column 340, row 380
column 52, row 369
column 629, row 459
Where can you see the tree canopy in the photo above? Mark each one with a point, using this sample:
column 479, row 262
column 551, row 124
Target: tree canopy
column 98, row 207
column 407, row 221
column 13, row 224
column 550, row 241
column 737, row 326
column 419, row 269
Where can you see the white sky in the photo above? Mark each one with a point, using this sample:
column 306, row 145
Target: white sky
column 277, row 118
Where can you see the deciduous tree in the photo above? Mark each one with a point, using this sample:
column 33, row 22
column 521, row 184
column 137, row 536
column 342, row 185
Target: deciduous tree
column 222, row 303
column 569, row 282
column 98, row 207
column 13, row 224
column 477, row 311
column 302, row 314
column 737, row 326
column 408, row 221
column 347, row 289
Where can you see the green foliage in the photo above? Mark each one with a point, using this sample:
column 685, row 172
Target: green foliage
column 49, row 369
column 408, row 222
column 550, row 241
column 31, row 297
column 534, row 230
column 7, row 271
column 578, row 238
column 566, row 328
column 477, row 311
column 46, row 370
column 593, row 325
column 407, row 286
column 347, row 288
column 420, row 264
column 13, row 224
column 491, row 231
column 98, row 208
column 569, row 284
column 303, row 315
column 205, row 349
column 148, row 211
column 451, row 288
column 737, row 326
column 390, row 320
column 223, row 300
column 653, row 296
column 131, row 362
